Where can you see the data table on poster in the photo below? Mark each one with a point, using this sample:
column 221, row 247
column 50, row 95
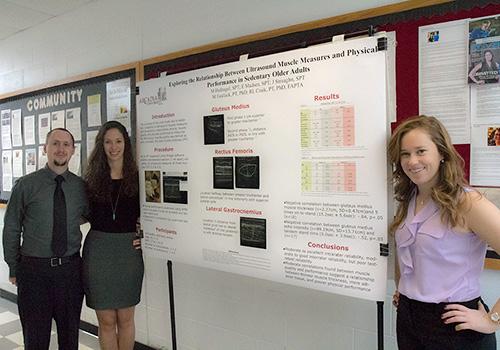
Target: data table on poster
column 328, row 177
column 328, row 126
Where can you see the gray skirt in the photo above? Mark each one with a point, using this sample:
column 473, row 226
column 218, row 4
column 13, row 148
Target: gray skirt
column 112, row 270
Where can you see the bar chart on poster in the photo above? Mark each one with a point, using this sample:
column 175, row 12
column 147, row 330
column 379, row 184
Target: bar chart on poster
column 272, row 167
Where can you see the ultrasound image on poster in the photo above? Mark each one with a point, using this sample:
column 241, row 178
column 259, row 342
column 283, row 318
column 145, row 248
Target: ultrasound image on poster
column 247, row 172
column 253, row 232
column 223, row 172
column 213, row 129
column 172, row 189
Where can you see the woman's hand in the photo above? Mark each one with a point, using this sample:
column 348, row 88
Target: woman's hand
column 395, row 299
column 137, row 243
column 465, row 318
column 138, row 234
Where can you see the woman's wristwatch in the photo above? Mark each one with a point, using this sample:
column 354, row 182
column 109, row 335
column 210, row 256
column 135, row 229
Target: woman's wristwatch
column 495, row 317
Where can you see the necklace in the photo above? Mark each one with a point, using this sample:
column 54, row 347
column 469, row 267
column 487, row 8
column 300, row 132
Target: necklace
column 115, row 205
column 422, row 201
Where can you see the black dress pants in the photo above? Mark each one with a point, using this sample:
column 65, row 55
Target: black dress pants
column 45, row 293
column 419, row 327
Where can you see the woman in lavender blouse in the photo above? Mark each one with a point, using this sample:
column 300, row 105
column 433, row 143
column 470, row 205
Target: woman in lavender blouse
column 442, row 228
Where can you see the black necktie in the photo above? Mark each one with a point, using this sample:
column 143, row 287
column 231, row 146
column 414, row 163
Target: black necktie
column 59, row 234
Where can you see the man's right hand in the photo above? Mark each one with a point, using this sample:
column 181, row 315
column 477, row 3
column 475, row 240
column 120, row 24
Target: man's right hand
column 13, row 280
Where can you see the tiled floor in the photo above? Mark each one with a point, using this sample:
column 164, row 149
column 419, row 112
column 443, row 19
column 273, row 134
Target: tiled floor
column 11, row 336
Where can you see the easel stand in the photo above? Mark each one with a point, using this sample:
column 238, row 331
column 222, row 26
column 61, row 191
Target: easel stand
column 380, row 313
column 172, row 308
column 380, row 325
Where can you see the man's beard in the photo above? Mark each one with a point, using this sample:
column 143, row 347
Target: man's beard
column 57, row 163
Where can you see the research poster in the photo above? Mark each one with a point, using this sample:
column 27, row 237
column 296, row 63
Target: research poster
column 273, row 167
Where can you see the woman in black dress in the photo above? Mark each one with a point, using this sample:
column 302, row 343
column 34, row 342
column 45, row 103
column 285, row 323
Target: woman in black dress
column 113, row 266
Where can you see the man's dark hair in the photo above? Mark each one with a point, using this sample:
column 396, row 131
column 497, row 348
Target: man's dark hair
column 61, row 129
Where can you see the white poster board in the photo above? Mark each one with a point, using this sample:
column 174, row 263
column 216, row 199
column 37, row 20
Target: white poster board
column 273, row 167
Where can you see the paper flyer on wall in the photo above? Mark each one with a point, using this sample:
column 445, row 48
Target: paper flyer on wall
column 6, row 125
column 43, row 127
column 443, row 91
column 94, row 110
column 17, row 136
column 57, row 119
column 30, row 159
column 17, row 163
column 485, row 136
column 118, row 102
column 259, row 167
column 29, row 130
column 485, row 155
column 76, row 160
column 484, row 50
column 74, row 122
column 91, row 135
column 42, row 157
column 7, row 170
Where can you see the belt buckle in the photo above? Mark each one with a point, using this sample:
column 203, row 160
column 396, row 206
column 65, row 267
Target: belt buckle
column 55, row 262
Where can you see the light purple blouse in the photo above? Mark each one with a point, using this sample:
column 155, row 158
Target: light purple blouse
column 437, row 264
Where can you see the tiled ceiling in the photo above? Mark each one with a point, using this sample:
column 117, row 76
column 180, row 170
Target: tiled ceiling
column 19, row 15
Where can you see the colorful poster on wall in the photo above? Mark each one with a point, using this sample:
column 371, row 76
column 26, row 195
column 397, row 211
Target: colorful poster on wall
column 484, row 50
column 273, row 167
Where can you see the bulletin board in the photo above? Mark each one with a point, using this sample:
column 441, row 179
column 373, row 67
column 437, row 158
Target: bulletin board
column 404, row 19
column 80, row 104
